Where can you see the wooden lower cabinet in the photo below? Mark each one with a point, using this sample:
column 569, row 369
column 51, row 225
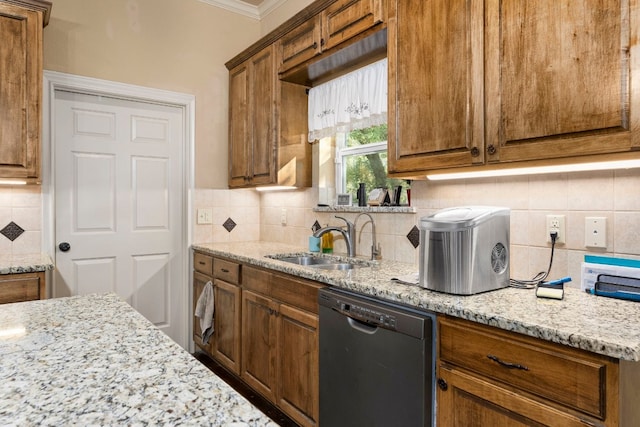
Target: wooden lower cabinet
column 491, row 377
column 199, row 282
column 22, row 287
column 297, row 365
column 226, row 339
column 224, row 344
column 471, row 401
column 280, row 355
column 259, row 341
column 265, row 332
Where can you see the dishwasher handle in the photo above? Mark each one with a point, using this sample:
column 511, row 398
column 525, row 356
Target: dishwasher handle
column 361, row 326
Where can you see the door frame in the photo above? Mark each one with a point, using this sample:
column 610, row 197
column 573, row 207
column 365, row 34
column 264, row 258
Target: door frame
column 53, row 81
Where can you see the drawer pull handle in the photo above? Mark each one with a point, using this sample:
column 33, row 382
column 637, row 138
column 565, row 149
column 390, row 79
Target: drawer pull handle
column 507, row 364
column 224, row 270
column 201, row 263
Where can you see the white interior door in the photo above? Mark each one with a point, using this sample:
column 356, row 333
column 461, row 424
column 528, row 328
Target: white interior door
column 118, row 168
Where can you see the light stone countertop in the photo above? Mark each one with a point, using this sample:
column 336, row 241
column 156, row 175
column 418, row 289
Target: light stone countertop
column 27, row 263
column 598, row 324
column 94, row 360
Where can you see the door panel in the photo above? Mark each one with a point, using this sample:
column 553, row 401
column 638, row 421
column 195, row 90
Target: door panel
column 93, row 275
column 94, row 207
column 150, row 193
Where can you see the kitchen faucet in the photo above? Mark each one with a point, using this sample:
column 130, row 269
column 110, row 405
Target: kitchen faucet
column 349, row 234
column 375, row 248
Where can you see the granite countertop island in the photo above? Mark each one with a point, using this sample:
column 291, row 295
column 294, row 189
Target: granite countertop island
column 598, row 324
column 94, row 360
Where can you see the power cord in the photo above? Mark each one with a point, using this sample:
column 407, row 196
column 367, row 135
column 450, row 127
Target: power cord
column 540, row 277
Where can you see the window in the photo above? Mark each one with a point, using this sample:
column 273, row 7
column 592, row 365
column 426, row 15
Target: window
column 361, row 157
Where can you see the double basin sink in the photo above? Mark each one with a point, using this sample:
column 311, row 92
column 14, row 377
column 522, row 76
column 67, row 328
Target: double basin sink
column 320, row 261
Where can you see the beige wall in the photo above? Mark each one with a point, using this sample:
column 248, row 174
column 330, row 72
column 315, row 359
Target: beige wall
column 177, row 45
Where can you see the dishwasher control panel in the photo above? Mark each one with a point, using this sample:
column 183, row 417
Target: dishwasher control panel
column 376, row 313
column 367, row 314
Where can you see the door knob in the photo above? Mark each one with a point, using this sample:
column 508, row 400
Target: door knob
column 64, row 246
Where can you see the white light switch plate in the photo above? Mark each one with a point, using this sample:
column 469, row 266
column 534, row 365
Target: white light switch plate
column 205, row 216
column 595, row 232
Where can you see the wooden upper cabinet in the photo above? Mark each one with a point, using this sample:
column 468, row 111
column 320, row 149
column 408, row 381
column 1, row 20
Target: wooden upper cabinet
column 252, row 132
column 435, row 84
column 301, row 44
column 21, row 24
column 559, row 78
column 267, row 126
column 474, row 83
column 338, row 22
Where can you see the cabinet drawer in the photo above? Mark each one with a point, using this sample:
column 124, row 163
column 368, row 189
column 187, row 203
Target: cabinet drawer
column 256, row 280
column 299, row 293
column 570, row 377
column 226, row 270
column 21, row 287
column 203, row 263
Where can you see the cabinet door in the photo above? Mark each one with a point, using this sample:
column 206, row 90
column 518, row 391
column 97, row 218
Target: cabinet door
column 259, row 338
column 465, row 400
column 560, row 77
column 262, row 85
column 239, row 130
column 435, row 84
column 20, row 92
column 347, row 18
column 298, row 391
column 300, row 44
column 199, row 282
column 226, row 343
column 252, row 131
column 22, row 287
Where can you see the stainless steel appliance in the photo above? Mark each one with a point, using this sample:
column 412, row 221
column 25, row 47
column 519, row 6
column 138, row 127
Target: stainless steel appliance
column 465, row 250
column 376, row 362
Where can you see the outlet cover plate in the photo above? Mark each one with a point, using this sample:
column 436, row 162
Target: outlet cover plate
column 556, row 222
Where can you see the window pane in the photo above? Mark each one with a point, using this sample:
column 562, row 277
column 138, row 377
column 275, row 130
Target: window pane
column 369, row 168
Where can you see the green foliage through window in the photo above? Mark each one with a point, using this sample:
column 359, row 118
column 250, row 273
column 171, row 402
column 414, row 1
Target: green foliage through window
column 364, row 160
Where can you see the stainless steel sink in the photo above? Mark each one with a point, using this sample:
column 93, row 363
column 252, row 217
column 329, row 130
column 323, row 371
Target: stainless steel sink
column 325, row 263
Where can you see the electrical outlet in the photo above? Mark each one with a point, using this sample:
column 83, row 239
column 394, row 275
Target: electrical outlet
column 204, row 216
column 555, row 223
column 283, row 216
column 595, row 232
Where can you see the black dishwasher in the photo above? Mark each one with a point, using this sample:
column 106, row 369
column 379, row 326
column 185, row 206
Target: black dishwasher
column 376, row 362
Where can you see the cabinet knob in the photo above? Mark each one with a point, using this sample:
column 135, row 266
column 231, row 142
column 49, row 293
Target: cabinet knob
column 64, row 246
column 321, row 42
column 491, row 150
column 442, row 384
column 315, row 45
column 475, row 152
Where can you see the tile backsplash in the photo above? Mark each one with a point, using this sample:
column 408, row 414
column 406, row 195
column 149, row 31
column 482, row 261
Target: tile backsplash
column 23, row 207
column 610, row 194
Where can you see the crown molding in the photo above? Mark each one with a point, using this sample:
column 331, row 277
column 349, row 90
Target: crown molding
column 242, row 8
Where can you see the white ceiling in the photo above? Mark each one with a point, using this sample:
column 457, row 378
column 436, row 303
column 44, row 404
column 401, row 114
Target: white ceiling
column 255, row 9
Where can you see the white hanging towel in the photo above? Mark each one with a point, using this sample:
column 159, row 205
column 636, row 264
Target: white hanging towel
column 204, row 310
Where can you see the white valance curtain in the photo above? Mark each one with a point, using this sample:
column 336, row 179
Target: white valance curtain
column 354, row 101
